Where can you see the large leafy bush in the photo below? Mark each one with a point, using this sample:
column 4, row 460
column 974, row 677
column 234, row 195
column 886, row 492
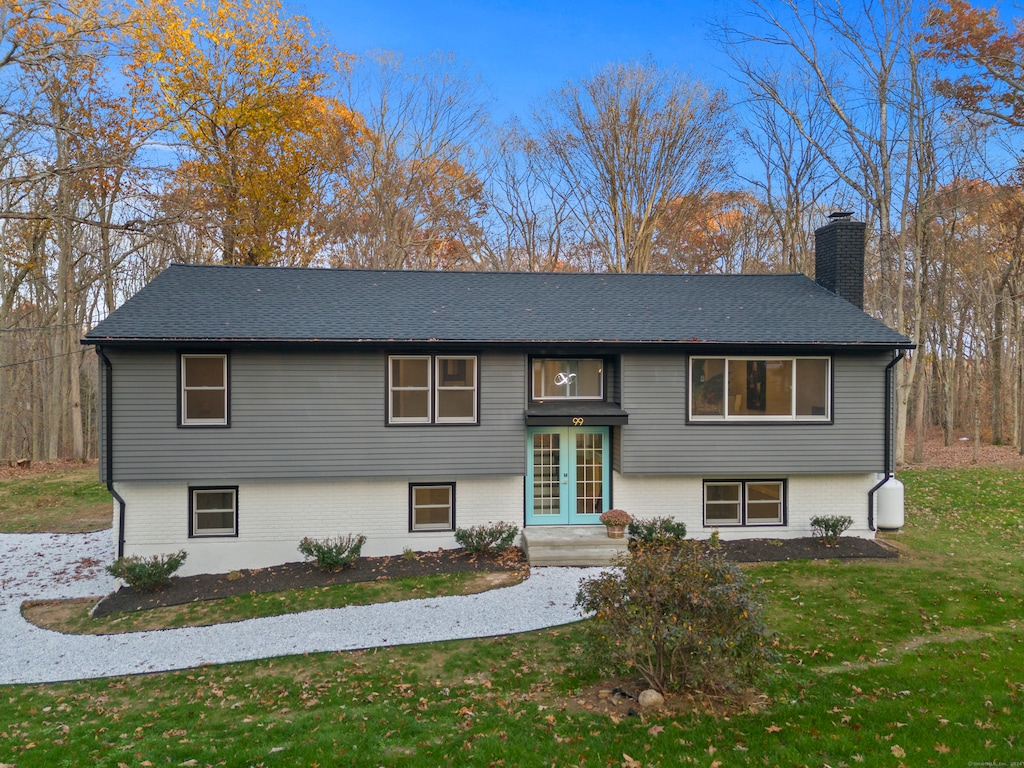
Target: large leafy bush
column 680, row 616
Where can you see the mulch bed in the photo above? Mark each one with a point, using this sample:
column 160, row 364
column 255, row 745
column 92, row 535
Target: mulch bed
column 188, row 589
column 774, row 550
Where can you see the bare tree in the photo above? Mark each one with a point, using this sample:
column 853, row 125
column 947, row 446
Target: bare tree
column 628, row 142
column 414, row 196
column 864, row 64
column 533, row 229
column 794, row 183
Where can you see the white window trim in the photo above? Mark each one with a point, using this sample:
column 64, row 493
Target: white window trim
column 438, row 388
column 793, row 416
column 392, row 419
column 433, row 389
column 413, row 507
column 744, row 502
column 194, row 511
column 185, row 389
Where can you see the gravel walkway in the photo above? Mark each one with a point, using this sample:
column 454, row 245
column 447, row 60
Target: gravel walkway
column 56, row 566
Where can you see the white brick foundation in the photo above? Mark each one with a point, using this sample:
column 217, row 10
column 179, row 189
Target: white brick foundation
column 807, row 496
column 274, row 516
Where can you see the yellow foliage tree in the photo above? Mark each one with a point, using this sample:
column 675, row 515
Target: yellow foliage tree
column 241, row 85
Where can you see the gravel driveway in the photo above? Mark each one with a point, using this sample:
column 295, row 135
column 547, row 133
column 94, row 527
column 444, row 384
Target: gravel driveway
column 54, row 566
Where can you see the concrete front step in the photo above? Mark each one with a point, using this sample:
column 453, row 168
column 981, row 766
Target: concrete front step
column 583, row 545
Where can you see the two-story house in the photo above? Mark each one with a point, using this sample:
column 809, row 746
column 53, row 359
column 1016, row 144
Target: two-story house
column 245, row 408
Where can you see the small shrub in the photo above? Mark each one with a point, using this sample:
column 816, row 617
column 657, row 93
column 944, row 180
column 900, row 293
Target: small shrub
column 149, row 573
column 619, row 517
column 409, row 556
column 682, row 617
column 829, row 528
column 333, row 554
column 655, row 532
column 490, row 537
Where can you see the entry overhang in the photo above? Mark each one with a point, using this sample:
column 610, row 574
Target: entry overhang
column 575, row 413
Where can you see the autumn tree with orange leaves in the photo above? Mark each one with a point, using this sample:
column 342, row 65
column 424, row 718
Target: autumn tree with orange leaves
column 988, row 55
column 242, row 85
column 987, row 52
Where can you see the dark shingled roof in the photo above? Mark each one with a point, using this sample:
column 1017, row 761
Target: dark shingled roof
column 217, row 303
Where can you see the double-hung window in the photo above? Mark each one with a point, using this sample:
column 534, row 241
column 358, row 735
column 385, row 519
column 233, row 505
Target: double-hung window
column 744, row 502
column 760, row 388
column 432, row 389
column 213, row 512
column 204, row 390
column 432, row 507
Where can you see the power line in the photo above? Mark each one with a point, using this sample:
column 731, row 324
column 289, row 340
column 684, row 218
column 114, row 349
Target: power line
column 41, row 327
column 40, row 359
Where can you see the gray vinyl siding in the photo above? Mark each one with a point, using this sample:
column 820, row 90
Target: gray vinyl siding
column 658, row 439
column 308, row 415
column 101, row 420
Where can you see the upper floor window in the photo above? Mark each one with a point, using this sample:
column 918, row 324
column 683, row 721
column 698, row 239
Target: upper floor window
column 438, row 389
column 567, row 379
column 760, row 388
column 204, row 390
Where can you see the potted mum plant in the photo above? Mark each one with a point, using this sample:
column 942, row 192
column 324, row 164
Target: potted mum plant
column 615, row 522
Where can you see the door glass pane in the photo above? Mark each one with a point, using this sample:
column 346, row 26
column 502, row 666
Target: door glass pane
column 546, row 474
column 589, row 474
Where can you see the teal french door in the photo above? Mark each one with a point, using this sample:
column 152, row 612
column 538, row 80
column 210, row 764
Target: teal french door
column 567, row 471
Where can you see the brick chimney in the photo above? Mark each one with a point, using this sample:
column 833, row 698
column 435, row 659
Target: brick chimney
column 839, row 257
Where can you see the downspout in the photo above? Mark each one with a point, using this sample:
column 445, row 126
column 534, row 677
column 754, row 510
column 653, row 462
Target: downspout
column 109, row 452
column 887, row 468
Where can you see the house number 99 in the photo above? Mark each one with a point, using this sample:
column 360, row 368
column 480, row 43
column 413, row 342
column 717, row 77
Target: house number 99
column 577, row 421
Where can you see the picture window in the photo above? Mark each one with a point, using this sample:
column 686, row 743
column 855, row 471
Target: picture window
column 760, row 389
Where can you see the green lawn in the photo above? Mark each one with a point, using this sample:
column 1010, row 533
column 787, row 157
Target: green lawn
column 914, row 662
column 72, row 501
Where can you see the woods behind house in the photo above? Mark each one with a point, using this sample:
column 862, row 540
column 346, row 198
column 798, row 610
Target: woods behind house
column 133, row 135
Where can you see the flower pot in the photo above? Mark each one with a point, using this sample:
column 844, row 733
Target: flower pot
column 615, row 531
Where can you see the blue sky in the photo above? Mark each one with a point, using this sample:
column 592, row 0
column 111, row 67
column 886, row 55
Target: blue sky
column 523, row 49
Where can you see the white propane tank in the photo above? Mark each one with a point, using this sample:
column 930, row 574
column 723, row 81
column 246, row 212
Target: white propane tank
column 890, row 505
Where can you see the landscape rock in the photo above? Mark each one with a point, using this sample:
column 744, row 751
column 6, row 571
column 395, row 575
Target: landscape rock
column 651, row 699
